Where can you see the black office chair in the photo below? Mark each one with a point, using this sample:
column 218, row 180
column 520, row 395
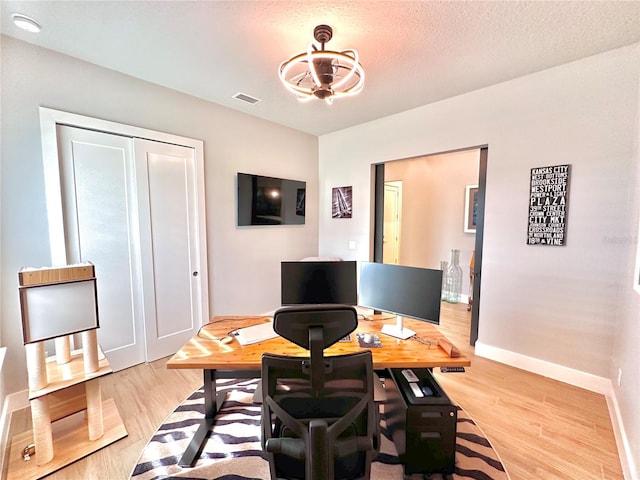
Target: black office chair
column 319, row 419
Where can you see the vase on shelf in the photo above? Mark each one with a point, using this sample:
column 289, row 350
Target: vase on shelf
column 444, row 266
column 453, row 288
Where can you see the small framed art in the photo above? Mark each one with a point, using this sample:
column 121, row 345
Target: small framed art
column 341, row 202
column 470, row 208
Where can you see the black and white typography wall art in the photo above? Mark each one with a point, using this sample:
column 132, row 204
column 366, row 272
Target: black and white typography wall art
column 548, row 197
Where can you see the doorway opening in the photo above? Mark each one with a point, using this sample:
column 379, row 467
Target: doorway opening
column 431, row 210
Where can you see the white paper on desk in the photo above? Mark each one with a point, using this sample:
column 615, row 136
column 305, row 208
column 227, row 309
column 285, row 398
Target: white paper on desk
column 256, row 333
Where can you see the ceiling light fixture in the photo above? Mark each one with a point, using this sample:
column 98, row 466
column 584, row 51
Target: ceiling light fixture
column 26, row 23
column 320, row 73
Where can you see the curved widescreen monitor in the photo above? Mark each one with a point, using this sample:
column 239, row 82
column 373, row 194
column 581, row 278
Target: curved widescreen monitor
column 404, row 291
column 316, row 282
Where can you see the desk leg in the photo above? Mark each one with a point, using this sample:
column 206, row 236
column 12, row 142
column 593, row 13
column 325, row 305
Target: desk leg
column 211, row 405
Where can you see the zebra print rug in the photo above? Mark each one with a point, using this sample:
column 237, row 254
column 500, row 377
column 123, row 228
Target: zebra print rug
column 233, row 450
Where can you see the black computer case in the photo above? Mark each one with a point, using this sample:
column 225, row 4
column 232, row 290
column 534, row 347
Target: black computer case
column 423, row 428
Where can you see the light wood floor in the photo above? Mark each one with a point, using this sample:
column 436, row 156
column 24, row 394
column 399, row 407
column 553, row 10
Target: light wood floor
column 542, row 429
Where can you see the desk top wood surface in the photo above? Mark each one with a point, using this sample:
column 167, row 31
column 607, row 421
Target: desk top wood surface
column 205, row 351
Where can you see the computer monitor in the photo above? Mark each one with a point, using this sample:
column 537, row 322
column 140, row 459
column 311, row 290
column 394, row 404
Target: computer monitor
column 401, row 290
column 316, row 282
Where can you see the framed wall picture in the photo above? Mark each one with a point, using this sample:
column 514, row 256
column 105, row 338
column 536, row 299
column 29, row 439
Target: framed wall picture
column 300, row 201
column 548, row 205
column 470, row 208
column 341, row 202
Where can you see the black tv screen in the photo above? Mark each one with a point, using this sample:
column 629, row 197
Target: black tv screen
column 270, row 201
column 319, row 282
column 405, row 291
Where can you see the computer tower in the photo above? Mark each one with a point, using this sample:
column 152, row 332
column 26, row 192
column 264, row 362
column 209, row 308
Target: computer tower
column 423, row 428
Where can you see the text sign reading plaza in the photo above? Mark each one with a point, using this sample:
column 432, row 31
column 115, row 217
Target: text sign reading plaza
column 548, row 205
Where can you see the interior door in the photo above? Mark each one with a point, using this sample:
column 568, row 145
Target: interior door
column 392, row 212
column 168, row 222
column 130, row 206
column 97, row 182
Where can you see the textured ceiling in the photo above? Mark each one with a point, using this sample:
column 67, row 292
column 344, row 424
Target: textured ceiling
column 413, row 52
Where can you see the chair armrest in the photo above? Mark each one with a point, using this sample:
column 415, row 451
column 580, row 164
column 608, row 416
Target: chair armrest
column 292, row 447
column 318, row 453
column 345, row 447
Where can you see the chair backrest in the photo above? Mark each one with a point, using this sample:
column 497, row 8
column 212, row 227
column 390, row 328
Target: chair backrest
column 319, row 419
column 294, row 323
column 315, row 327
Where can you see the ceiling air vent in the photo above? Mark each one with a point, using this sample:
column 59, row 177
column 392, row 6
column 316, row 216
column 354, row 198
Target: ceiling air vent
column 243, row 97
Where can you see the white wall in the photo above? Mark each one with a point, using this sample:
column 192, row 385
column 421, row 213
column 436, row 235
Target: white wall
column 243, row 262
column 557, row 306
column 626, row 346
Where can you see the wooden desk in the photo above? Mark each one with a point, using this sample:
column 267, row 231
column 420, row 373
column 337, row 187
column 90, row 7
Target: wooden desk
column 231, row 360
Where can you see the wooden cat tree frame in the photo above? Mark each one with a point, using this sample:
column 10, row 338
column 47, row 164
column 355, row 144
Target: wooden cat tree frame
column 70, row 419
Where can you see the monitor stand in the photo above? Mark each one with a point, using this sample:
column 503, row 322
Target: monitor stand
column 398, row 329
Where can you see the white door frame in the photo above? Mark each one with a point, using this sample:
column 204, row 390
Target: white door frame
column 49, row 118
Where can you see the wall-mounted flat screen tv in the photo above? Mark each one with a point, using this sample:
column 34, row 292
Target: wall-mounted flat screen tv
column 270, row 201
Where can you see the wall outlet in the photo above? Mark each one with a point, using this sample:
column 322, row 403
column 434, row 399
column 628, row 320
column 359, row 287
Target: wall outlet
column 619, row 376
column 352, row 244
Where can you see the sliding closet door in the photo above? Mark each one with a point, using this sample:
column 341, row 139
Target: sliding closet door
column 132, row 208
column 97, row 183
column 169, row 227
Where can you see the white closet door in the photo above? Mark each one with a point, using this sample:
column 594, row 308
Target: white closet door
column 166, row 193
column 99, row 204
column 134, row 208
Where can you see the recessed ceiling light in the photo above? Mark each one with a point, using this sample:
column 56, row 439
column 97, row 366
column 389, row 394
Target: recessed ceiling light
column 26, row 23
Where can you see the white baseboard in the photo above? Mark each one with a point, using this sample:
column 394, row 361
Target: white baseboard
column 13, row 402
column 568, row 375
column 5, row 423
column 577, row 378
column 629, row 469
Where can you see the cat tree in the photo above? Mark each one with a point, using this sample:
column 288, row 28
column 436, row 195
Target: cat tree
column 70, row 419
